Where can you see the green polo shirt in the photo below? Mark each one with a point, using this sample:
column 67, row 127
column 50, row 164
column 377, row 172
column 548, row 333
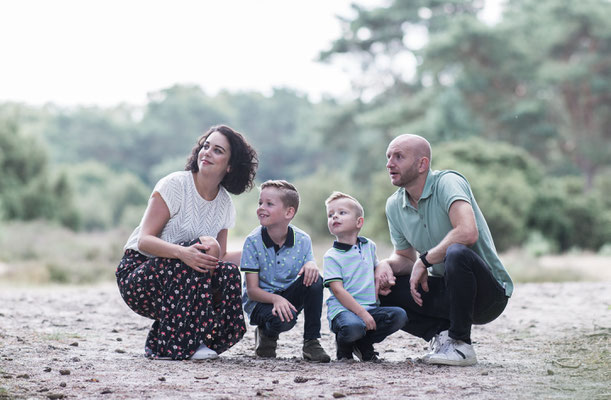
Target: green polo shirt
column 423, row 228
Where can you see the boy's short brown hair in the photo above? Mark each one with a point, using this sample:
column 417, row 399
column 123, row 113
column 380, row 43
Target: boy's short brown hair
column 360, row 212
column 289, row 193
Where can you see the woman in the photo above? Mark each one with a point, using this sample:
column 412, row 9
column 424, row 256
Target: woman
column 176, row 269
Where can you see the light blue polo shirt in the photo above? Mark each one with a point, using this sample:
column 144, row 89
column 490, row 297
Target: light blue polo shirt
column 277, row 266
column 424, row 227
column 353, row 265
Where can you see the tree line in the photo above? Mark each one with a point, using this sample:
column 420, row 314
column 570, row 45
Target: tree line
column 522, row 108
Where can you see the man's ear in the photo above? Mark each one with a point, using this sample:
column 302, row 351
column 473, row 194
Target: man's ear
column 425, row 163
column 359, row 222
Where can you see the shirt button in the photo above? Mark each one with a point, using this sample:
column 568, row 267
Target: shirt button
column 425, row 225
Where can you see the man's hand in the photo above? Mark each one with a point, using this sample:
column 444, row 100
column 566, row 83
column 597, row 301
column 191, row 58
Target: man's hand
column 282, row 308
column 310, row 273
column 419, row 277
column 384, row 278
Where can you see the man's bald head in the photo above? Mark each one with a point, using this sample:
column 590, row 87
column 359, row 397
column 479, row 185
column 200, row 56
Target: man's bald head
column 417, row 145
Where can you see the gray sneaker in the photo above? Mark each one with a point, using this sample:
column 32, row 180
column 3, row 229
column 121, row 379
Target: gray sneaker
column 453, row 352
column 436, row 343
column 313, row 351
column 265, row 346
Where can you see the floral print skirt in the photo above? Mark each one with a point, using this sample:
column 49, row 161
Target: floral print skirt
column 189, row 308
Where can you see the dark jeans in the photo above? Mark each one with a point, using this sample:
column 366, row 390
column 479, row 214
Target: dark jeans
column 306, row 298
column 468, row 294
column 350, row 328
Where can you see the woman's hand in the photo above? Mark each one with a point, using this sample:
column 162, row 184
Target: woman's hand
column 196, row 259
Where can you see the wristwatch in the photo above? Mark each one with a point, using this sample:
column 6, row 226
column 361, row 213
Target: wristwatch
column 424, row 260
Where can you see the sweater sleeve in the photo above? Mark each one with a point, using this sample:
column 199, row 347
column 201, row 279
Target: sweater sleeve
column 171, row 190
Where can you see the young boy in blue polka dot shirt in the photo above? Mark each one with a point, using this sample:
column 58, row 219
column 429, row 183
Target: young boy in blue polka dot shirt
column 282, row 278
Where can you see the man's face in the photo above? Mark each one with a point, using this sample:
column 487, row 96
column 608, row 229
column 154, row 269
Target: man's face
column 402, row 165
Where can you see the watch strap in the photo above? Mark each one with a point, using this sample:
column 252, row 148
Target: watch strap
column 424, row 260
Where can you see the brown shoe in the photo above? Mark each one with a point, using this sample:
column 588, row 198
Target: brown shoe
column 313, row 351
column 264, row 346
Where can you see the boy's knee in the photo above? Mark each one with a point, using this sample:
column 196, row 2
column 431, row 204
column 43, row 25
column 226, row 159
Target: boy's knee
column 214, row 248
column 400, row 317
column 352, row 332
column 279, row 326
column 317, row 285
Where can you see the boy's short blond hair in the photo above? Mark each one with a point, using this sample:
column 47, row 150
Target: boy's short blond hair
column 289, row 194
column 360, row 212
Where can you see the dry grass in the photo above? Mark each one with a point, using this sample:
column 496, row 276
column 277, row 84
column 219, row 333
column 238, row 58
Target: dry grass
column 41, row 253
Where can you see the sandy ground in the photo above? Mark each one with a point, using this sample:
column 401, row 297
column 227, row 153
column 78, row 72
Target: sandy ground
column 552, row 342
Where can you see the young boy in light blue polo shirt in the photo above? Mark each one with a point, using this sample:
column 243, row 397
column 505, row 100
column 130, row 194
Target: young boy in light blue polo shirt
column 281, row 276
column 352, row 308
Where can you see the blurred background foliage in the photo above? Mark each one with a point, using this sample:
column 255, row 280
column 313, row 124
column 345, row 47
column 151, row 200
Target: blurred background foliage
column 522, row 108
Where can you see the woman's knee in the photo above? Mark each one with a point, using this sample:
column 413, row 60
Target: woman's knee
column 214, row 248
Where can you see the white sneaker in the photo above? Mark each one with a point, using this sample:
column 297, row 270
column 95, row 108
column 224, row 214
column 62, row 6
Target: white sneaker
column 453, row 352
column 437, row 343
column 204, row 353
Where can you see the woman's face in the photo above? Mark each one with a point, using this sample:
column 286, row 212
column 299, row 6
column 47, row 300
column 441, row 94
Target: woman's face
column 214, row 156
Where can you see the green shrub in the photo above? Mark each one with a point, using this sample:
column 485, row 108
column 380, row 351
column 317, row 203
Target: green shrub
column 29, row 187
column 538, row 245
column 504, row 180
column 104, row 195
column 564, row 213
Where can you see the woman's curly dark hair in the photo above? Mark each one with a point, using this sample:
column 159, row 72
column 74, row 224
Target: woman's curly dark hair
column 243, row 160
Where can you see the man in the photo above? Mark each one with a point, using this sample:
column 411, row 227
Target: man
column 444, row 271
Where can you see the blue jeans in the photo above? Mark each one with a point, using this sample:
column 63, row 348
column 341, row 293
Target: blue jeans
column 468, row 294
column 350, row 328
column 306, row 298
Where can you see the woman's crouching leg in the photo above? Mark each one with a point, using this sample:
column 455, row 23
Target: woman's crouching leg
column 229, row 318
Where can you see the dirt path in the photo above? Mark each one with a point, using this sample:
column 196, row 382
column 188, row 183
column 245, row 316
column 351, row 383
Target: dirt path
column 83, row 342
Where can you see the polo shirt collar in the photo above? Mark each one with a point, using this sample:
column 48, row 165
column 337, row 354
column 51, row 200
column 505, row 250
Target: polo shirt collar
column 345, row 246
column 427, row 191
column 268, row 242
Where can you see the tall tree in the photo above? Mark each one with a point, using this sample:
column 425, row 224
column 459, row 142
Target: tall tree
column 538, row 79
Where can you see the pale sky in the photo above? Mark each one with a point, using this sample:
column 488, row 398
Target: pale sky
column 106, row 52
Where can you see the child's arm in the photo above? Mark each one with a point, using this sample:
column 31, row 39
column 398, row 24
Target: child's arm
column 310, row 273
column 337, row 287
column 282, row 307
